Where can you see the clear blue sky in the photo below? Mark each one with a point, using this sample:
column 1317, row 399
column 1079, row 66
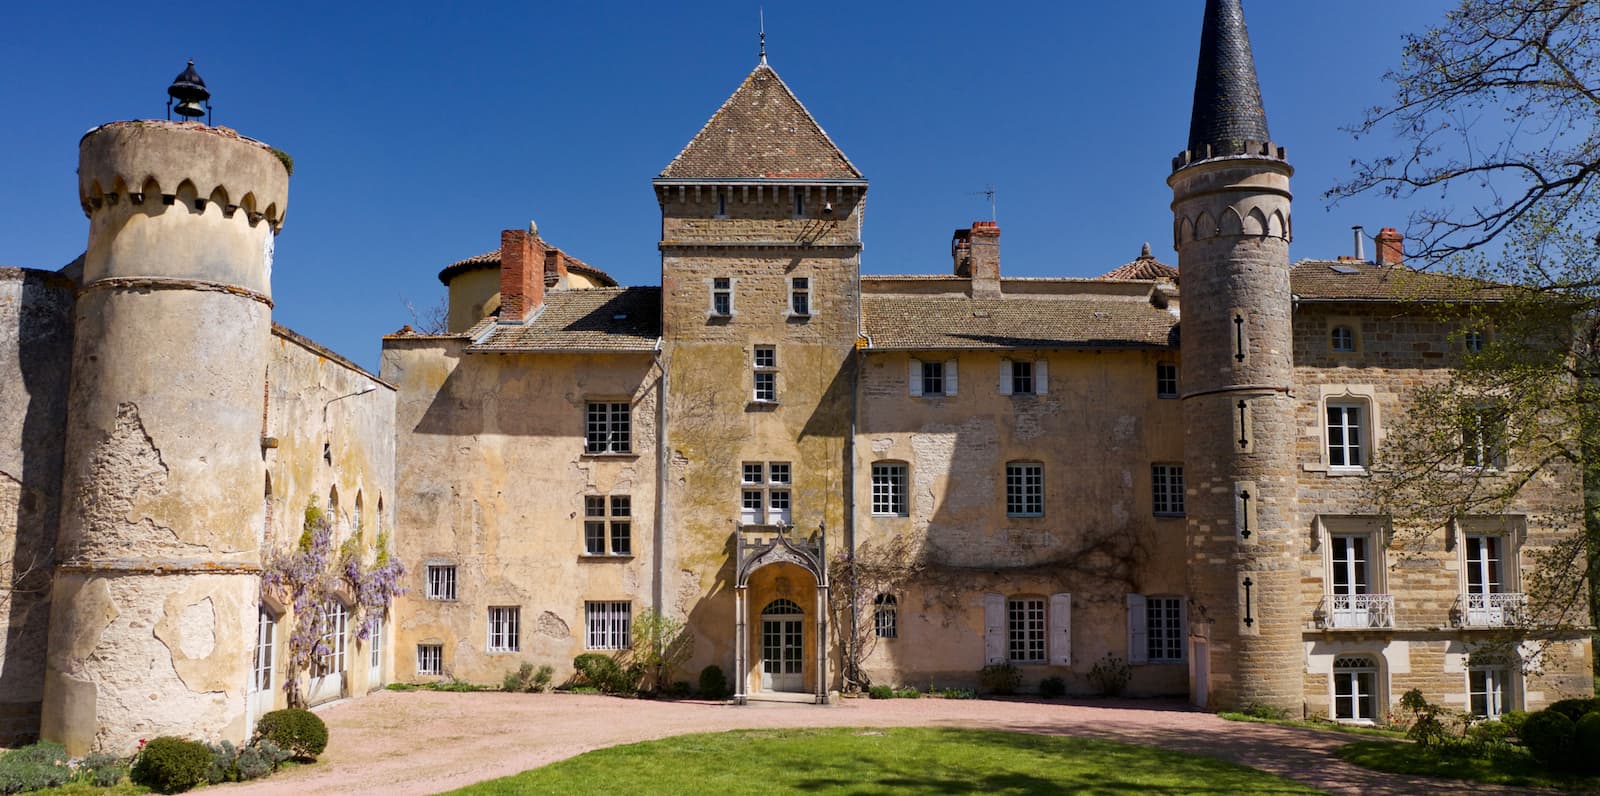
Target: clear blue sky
column 420, row 130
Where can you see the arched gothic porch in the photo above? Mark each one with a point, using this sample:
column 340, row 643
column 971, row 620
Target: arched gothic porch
column 767, row 595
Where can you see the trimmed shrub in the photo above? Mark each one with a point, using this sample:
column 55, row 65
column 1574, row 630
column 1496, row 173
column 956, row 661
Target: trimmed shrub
column 1513, row 720
column 34, row 767
column 595, row 669
column 1548, row 735
column 1586, row 742
column 713, row 683
column 103, row 770
column 1000, row 678
column 1052, row 688
column 1575, row 708
column 299, row 732
column 880, row 692
column 171, row 765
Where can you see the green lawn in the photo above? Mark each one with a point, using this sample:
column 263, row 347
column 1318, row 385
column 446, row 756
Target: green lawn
column 1514, row 768
column 887, row 761
column 1330, row 726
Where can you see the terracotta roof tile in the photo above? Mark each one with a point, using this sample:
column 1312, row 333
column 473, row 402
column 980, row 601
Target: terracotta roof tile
column 917, row 322
column 1340, row 280
column 491, row 259
column 1146, row 267
column 619, row 319
column 761, row 132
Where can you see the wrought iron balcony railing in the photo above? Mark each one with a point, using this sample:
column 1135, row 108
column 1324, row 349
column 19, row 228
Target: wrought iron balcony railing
column 1356, row 611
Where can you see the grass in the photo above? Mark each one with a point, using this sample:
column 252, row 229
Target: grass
column 125, row 788
column 1330, row 726
column 886, row 761
column 455, row 686
column 1511, row 767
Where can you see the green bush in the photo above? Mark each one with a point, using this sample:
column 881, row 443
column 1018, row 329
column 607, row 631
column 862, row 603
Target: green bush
column 1052, row 688
column 527, row 679
column 301, row 733
column 1110, row 675
column 907, row 693
column 34, row 767
column 880, row 692
column 958, row 693
column 103, row 770
column 171, row 765
column 1548, row 735
column 1513, row 721
column 1000, row 678
column 1257, row 710
column 605, row 673
column 1586, row 742
column 713, row 683
column 680, row 690
column 260, row 758
column 1427, row 728
column 1575, row 709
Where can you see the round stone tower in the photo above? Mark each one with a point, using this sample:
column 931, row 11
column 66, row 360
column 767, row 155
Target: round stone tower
column 155, row 600
column 1232, row 229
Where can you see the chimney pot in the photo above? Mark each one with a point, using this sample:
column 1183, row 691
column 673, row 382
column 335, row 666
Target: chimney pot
column 521, row 275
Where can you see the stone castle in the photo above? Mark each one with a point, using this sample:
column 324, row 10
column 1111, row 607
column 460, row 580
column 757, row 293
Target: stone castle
column 831, row 478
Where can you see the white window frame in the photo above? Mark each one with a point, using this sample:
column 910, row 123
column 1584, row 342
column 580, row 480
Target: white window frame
column 440, row 580
column 335, row 640
column 504, row 629
column 721, row 287
column 889, row 489
column 266, row 649
column 1365, row 699
column 430, row 659
column 1024, row 482
column 1166, row 489
column 608, row 520
column 608, row 624
column 766, row 493
column 1024, row 377
column 608, row 427
column 885, row 616
column 375, row 644
column 1498, row 691
column 919, row 378
column 1027, row 629
column 764, row 359
column 1166, row 380
column 800, row 304
column 1483, row 438
column 1338, row 422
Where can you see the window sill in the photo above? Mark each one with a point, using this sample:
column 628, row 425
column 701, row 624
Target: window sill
column 1167, row 396
column 795, row 317
column 1024, row 516
column 890, row 516
column 618, row 456
column 761, row 406
column 501, row 652
column 717, row 318
column 605, row 557
column 441, row 599
column 1335, row 471
column 1168, row 515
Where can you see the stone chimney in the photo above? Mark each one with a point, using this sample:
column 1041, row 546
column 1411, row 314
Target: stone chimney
column 976, row 255
column 522, row 264
column 1391, row 247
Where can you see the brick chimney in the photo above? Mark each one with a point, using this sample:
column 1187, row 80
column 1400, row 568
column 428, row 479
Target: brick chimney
column 522, row 263
column 1391, row 247
column 976, row 253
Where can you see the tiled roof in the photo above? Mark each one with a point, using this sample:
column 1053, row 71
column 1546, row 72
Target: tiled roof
column 491, row 259
column 919, row 322
column 1341, row 280
column 1146, row 267
column 761, row 132
column 618, row 319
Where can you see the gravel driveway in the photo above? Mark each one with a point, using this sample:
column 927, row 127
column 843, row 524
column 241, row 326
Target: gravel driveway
column 424, row 742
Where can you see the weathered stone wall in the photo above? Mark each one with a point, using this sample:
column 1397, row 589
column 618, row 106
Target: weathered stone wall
column 1395, row 354
column 35, row 338
column 1096, row 431
column 492, row 481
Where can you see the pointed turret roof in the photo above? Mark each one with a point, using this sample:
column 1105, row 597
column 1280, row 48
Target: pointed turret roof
column 761, row 132
column 1227, row 97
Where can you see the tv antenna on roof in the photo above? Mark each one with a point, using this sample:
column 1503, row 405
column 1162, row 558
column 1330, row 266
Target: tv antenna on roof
column 989, row 193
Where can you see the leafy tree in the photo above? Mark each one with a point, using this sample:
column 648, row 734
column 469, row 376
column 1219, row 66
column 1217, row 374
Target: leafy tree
column 661, row 644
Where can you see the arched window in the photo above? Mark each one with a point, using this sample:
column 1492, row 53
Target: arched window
column 1355, row 688
column 781, row 607
column 885, row 622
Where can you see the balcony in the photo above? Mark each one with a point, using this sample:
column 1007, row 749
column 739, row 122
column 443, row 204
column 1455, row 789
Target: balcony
column 1500, row 609
column 1356, row 612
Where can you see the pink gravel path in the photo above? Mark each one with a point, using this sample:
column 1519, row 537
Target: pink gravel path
column 424, row 742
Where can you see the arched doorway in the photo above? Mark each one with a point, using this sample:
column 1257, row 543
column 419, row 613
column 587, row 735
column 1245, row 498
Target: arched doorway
column 782, row 646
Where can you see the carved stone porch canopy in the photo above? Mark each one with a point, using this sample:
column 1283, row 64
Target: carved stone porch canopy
column 760, row 545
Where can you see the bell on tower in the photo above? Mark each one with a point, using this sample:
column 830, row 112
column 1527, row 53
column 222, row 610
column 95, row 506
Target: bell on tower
column 189, row 90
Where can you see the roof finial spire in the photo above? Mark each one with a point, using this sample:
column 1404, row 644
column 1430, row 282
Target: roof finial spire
column 1227, row 98
column 763, row 12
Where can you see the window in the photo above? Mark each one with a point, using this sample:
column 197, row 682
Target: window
column 1355, row 569
column 1345, row 423
column 601, row 514
column 505, row 628
column 764, row 493
column 1487, row 691
column 1488, row 575
column 1022, row 378
column 1355, row 688
column 1024, row 489
column 1483, row 434
column 609, row 625
column 800, row 295
column 885, row 623
column 609, row 428
column 1342, row 340
column 441, row 582
column 722, row 204
column 1166, row 483
column 266, row 632
column 330, row 657
column 1483, row 564
column 1166, row 380
column 934, row 379
column 799, row 203
column 1473, row 340
column 766, row 374
column 889, row 489
column 1025, row 629
column 1164, row 630
column 722, row 296
column 375, row 645
column 430, row 659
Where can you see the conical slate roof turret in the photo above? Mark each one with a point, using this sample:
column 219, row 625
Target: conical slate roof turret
column 1227, row 99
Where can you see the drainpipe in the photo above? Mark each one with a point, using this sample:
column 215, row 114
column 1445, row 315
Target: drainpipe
column 656, row 596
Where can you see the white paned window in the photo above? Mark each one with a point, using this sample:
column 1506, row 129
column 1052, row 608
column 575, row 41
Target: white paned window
column 330, row 653
column 766, row 374
column 1025, row 630
column 1484, row 573
column 764, row 493
column 1483, row 435
column 441, row 581
column 505, row 628
column 1355, row 688
column 1345, row 435
column 375, row 644
column 430, row 659
column 885, row 619
column 609, row 625
column 1166, row 380
column 722, row 296
column 1487, row 691
column 1164, row 630
column 1166, row 484
column 800, row 295
column 889, row 489
column 1024, row 489
column 608, row 525
column 266, row 635
column 608, row 427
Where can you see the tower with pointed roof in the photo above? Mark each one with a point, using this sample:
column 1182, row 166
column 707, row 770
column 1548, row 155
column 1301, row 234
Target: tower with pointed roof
column 1231, row 227
column 760, row 270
